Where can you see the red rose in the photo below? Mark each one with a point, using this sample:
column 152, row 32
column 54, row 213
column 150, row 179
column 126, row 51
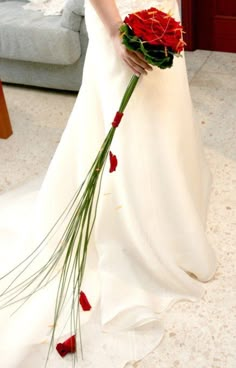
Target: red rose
column 157, row 28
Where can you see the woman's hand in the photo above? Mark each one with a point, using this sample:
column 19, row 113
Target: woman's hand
column 108, row 12
column 133, row 59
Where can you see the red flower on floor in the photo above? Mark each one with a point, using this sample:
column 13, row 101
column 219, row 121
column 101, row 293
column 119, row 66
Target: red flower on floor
column 113, row 162
column 68, row 346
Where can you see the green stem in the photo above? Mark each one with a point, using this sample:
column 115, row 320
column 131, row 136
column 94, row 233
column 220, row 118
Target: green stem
column 128, row 93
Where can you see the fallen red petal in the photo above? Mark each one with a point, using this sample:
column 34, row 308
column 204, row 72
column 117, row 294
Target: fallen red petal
column 62, row 350
column 68, row 346
column 113, row 162
column 84, row 301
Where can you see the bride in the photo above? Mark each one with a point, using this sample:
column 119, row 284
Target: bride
column 149, row 248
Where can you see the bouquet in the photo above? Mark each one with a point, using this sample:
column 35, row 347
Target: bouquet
column 157, row 36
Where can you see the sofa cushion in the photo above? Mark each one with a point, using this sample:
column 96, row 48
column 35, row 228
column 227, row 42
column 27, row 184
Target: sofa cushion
column 30, row 36
column 72, row 12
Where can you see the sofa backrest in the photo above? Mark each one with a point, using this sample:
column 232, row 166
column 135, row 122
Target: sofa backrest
column 72, row 14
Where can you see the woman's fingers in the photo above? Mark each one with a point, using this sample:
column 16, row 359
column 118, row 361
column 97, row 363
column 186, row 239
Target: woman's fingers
column 133, row 59
column 135, row 68
column 141, row 59
column 136, row 62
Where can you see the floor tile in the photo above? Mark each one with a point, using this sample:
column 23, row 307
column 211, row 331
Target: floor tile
column 49, row 108
column 216, row 111
column 27, row 153
column 195, row 60
column 214, row 81
column 221, row 62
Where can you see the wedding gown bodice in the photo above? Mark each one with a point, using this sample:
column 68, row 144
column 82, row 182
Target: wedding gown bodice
column 126, row 6
column 129, row 6
column 134, row 5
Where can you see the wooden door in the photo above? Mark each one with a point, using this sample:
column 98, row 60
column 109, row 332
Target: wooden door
column 210, row 24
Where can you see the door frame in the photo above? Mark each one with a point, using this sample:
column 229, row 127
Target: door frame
column 188, row 9
column 199, row 24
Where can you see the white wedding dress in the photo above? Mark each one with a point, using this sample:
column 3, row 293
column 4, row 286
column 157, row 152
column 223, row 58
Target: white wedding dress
column 149, row 248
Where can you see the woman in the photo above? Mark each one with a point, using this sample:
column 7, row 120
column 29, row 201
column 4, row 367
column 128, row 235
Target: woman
column 149, row 249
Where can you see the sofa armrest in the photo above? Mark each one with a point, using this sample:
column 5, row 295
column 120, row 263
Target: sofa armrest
column 75, row 6
column 72, row 14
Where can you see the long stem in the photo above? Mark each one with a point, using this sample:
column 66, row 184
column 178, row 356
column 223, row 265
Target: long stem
column 74, row 242
column 128, row 93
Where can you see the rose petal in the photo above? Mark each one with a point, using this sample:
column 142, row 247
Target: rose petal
column 62, row 350
column 68, row 346
column 84, row 301
column 113, row 162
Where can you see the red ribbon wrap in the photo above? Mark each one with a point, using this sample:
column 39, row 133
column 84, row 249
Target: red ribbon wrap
column 117, row 119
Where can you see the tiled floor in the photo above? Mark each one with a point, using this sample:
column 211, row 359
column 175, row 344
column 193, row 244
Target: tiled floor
column 38, row 118
column 200, row 335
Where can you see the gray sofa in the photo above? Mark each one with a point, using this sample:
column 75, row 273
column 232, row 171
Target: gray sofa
column 43, row 51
